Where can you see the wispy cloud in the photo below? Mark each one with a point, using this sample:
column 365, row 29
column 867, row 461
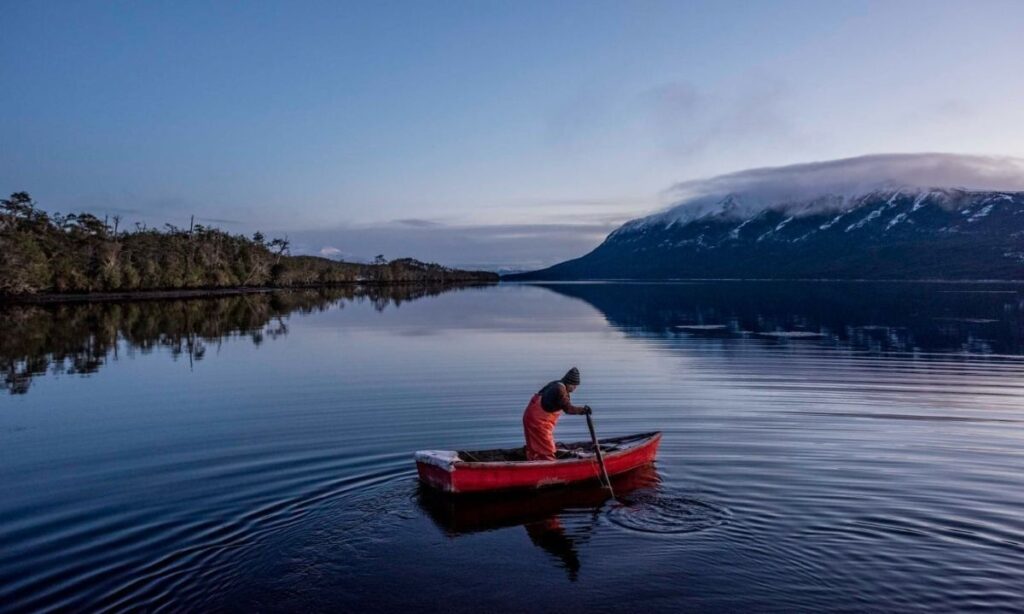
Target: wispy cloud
column 468, row 245
column 591, row 108
column 687, row 120
column 680, row 119
column 951, row 108
column 220, row 220
column 588, row 203
column 419, row 223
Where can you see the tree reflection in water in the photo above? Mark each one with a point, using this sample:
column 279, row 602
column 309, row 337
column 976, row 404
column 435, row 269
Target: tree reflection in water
column 79, row 338
column 557, row 520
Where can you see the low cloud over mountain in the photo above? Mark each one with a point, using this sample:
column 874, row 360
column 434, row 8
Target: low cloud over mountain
column 774, row 187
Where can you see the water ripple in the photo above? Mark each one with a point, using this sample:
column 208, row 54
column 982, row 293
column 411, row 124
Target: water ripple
column 656, row 512
column 876, row 467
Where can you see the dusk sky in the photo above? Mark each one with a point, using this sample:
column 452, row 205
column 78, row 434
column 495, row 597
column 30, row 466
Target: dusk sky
column 489, row 134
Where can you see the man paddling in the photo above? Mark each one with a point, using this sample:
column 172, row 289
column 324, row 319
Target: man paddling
column 543, row 412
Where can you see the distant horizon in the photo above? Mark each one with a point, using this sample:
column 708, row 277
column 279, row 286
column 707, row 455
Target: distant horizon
column 873, row 171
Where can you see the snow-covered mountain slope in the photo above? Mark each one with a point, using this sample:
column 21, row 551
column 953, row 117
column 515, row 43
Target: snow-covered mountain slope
column 893, row 232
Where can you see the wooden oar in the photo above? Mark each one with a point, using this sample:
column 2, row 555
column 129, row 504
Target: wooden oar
column 600, row 455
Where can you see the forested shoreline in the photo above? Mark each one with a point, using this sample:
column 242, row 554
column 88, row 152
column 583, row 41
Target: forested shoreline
column 80, row 254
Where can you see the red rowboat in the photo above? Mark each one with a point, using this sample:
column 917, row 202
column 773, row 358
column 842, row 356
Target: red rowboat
column 490, row 470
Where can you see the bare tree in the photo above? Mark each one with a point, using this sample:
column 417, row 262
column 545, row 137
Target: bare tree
column 280, row 247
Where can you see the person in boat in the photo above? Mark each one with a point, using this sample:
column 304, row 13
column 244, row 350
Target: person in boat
column 543, row 412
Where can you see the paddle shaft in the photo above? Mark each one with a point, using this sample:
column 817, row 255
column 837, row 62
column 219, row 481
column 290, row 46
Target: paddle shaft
column 600, row 455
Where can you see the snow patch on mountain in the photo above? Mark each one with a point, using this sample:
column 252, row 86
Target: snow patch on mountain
column 735, row 232
column 896, row 220
column 832, row 222
column 920, row 200
column 783, row 223
column 983, row 213
column 877, row 213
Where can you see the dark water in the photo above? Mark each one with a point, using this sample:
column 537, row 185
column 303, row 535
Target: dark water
column 826, row 446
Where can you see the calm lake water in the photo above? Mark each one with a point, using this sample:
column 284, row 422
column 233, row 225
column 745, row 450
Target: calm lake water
column 826, row 445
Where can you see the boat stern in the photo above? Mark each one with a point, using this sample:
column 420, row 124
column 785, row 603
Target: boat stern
column 436, row 468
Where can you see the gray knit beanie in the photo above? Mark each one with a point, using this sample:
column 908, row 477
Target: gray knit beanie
column 571, row 377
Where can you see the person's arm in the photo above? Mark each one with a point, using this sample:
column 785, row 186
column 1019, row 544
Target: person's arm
column 566, row 404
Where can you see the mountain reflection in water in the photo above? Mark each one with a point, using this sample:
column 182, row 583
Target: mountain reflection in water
column 871, row 316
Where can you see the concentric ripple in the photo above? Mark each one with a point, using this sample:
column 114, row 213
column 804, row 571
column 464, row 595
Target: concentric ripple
column 653, row 512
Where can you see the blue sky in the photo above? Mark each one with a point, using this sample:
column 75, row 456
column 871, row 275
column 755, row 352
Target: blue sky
column 477, row 133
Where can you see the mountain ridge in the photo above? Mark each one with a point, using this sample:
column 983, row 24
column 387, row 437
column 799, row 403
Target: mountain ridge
column 895, row 232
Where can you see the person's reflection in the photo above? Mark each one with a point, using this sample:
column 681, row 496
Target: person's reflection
column 544, row 514
column 549, row 534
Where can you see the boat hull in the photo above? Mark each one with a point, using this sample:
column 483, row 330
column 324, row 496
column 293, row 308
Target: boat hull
column 445, row 471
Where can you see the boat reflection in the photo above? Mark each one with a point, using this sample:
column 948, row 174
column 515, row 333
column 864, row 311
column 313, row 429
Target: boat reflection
column 557, row 520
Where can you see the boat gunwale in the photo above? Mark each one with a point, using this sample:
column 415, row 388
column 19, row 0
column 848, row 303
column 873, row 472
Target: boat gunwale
column 634, row 441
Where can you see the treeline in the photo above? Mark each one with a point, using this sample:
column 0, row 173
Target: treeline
column 80, row 253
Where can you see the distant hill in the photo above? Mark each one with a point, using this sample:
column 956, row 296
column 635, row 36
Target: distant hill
column 43, row 253
column 889, row 233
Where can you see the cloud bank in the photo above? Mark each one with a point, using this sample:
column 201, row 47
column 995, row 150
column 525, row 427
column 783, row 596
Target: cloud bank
column 761, row 188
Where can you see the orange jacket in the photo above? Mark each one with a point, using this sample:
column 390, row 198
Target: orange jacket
column 539, row 428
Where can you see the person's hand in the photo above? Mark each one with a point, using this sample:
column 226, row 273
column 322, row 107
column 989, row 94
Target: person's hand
column 587, row 411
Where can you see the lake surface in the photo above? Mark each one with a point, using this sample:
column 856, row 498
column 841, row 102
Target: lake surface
column 845, row 446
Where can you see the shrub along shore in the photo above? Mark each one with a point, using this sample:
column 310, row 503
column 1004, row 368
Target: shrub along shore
column 55, row 255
